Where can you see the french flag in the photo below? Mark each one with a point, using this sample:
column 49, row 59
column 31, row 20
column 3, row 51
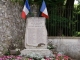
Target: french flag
column 44, row 10
column 25, row 10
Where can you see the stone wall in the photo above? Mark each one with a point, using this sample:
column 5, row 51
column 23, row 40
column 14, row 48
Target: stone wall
column 69, row 46
column 12, row 27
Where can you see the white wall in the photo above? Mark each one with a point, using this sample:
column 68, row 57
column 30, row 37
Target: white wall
column 69, row 45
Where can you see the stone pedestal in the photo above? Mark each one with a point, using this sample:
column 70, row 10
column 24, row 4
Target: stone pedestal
column 36, row 37
column 37, row 52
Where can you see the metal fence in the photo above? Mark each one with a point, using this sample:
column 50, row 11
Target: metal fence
column 63, row 22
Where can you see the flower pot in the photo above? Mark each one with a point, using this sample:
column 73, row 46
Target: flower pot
column 13, row 52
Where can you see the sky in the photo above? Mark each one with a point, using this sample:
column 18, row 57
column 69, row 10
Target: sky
column 75, row 2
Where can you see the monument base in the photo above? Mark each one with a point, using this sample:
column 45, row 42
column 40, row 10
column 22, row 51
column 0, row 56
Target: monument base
column 36, row 53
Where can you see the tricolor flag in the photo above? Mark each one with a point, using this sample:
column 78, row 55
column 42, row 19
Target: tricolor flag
column 26, row 10
column 43, row 10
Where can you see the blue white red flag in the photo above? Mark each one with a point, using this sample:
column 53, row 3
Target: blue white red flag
column 25, row 10
column 43, row 10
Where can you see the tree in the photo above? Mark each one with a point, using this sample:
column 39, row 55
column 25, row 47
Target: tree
column 69, row 5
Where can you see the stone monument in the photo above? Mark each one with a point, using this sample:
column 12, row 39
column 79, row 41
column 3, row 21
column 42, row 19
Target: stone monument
column 36, row 33
column 36, row 37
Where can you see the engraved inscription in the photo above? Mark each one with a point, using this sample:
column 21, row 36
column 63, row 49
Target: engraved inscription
column 36, row 32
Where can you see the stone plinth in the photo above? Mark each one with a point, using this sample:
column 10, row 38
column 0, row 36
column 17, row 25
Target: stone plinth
column 36, row 52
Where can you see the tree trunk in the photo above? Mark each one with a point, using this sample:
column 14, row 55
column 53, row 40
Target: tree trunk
column 68, row 13
column 69, row 8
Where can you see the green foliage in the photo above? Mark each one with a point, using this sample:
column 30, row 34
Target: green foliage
column 78, row 9
column 77, row 34
column 38, row 2
column 50, row 46
column 7, row 52
column 59, row 23
column 77, row 13
column 18, row 52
